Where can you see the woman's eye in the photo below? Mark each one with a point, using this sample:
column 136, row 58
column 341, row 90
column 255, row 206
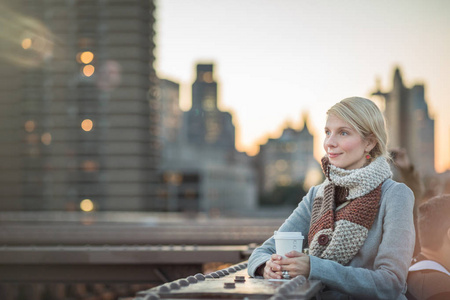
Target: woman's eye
column 344, row 133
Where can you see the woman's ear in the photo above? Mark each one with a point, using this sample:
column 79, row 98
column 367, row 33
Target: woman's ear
column 371, row 143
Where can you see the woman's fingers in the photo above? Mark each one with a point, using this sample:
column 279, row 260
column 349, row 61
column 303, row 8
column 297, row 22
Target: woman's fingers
column 275, row 257
column 294, row 254
column 272, row 270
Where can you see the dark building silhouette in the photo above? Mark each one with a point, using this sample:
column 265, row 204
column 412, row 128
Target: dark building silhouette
column 409, row 123
column 205, row 123
column 78, row 107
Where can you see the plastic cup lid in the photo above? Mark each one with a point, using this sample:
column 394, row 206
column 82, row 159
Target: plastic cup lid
column 287, row 235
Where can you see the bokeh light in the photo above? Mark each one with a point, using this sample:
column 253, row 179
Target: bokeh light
column 88, row 70
column 86, row 57
column 30, row 126
column 26, row 43
column 90, row 166
column 281, row 165
column 87, row 125
column 87, row 205
column 46, row 138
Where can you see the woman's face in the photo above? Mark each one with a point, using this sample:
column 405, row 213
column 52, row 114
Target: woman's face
column 345, row 148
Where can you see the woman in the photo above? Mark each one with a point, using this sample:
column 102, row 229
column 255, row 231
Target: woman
column 359, row 221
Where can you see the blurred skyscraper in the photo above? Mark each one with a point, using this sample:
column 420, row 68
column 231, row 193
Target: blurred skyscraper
column 201, row 169
column 409, row 123
column 171, row 116
column 206, row 124
column 78, row 105
column 288, row 160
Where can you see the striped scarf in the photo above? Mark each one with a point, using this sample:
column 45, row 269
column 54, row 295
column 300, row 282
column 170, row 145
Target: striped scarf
column 345, row 208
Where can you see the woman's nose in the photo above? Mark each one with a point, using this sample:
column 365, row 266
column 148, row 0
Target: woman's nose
column 331, row 141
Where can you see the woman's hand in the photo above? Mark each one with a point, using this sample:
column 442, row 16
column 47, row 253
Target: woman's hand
column 295, row 263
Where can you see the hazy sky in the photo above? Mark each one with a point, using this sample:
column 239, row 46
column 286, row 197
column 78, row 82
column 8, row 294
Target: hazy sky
column 276, row 59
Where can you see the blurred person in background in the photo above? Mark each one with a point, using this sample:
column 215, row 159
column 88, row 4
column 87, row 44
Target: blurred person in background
column 411, row 177
column 408, row 174
column 359, row 221
column 429, row 276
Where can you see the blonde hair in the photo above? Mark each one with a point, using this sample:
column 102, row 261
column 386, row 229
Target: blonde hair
column 367, row 119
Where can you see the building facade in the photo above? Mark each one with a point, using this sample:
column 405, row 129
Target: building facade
column 171, row 115
column 78, row 106
column 409, row 123
column 209, row 180
column 287, row 160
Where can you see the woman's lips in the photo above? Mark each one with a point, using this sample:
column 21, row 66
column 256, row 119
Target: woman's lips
column 333, row 155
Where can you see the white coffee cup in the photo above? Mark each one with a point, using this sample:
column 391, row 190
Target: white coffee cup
column 288, row 241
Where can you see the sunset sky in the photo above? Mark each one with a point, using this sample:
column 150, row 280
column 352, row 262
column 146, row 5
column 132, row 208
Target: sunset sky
column 275, row 60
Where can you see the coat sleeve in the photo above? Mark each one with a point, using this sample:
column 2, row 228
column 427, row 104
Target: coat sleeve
column 387, row 279
column 298, row 221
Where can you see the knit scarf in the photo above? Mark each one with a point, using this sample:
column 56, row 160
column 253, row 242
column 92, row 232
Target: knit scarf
column 345, row 208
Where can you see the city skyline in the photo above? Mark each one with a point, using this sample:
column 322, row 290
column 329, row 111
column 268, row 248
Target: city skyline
column 307, row 56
